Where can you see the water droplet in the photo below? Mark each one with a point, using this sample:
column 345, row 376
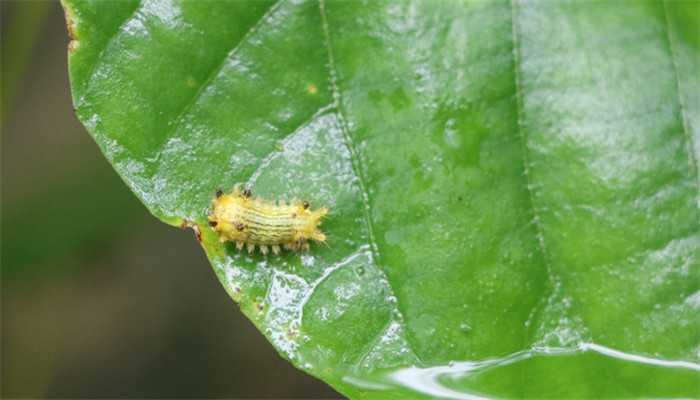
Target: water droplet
column 451, row 134
column 360, row 271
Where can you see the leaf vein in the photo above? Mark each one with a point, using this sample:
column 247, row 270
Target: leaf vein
column 216, row 71
column 109, row 43
column 346, row 132
column 526, row 162
column 521, row 132
column 692, row 158
column 354, row 159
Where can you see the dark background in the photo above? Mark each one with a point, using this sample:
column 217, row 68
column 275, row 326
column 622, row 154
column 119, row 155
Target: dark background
column 99, row 299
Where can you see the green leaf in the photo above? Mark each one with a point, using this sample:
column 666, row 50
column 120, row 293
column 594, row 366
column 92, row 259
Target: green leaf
column 513, row 186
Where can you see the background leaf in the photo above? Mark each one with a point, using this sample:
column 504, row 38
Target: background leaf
column 513, row 186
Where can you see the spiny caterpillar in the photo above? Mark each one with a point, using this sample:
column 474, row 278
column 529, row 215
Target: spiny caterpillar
column 254, row 222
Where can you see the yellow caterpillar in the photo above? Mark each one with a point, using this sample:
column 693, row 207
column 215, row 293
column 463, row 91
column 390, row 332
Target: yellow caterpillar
column 254, row 222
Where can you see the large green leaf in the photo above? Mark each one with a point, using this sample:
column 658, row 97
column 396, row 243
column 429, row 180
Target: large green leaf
column 513, row 186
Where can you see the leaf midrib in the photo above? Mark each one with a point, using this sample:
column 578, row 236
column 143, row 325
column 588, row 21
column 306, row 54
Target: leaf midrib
column 365, row 195
column 551, row 284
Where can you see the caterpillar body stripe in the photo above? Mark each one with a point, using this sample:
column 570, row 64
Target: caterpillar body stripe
column 249, row 222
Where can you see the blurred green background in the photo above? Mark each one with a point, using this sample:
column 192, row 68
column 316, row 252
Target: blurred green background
column 99, row 299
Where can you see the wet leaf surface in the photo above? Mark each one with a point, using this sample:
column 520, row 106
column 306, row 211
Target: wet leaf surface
column 513, row 186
